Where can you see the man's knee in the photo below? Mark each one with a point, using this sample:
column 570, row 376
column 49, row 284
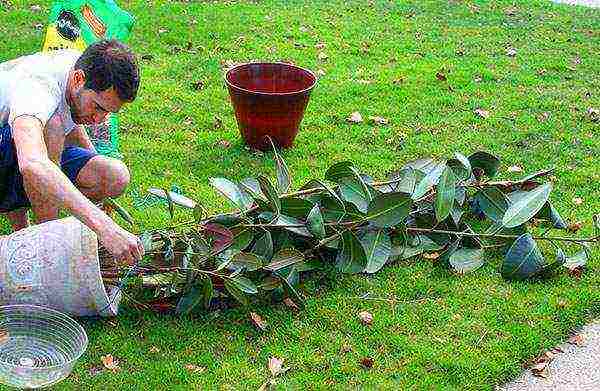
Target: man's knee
column 120, row 178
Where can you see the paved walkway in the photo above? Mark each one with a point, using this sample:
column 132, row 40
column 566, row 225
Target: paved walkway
column 576, row 369
column 587, row 3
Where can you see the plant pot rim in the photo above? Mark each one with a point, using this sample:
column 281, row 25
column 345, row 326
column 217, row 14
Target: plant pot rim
column 245, row 64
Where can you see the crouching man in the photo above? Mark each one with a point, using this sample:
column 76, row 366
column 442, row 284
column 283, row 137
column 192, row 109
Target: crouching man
column 47, row 161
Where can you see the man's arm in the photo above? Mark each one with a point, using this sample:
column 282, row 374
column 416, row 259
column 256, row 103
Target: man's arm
column 79, row 137
column 40, row 174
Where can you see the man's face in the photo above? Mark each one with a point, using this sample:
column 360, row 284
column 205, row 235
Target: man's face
column 91, row 107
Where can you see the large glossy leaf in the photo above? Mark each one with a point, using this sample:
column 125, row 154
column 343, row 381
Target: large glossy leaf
column 465, row 260
column 221, row 237
column 264, row 246
column 331, row 210
column 429, row 181
column 235, row 292
column 378, row 248
column 424, row 165
column 493, row 203
column 283, row 173
column 251, row 187
column 146, row 239
column 523, row 259
column 340, row 171
column 269, row 192
column 390, row 209
column 356, row 192
column 461, row 167
column 577, row 260
column 244, row 284
column 445, row 194
column 314, row 222
column 549, row 213
column 176, row 198
column 485, row 162
column 351, row 258
column 232, row 192
column 296, row 207
column 242, row 237
column 200, row 291
column 526, row 205
column 248, row 261
column 284, row 258
column 406, row 180
column 288, row 223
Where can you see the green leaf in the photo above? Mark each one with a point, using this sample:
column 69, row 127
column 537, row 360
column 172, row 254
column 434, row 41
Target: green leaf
column 221, row 237
column 389, row 209
column 235, row 292
column 190, row 299
column 120, row 210
column 208, row 291
column 226, row 219
column 248, row 261
column 264, row 246
column 523, row 259
column 550, row 214
column 244, row 284
column 465, row 260
column 187, row 256
column 314, row 222
column 332, row 211
column 340, row 171
column 270, row 193
column 232, row 192
column 176, row 198
column 252, row 188
column 429, row 181
column 288, row 223
column 283, row 173
column 493, row 203
column 451, row 249
column 456, row 215
column 445, row 194
column 378, row 248
column 406, row 180
column 199, row 213
column 270, row 283
column 146, row 239
column 242, row 237
column 285, row 258
column 486, row 162
column 355, row 192
column 525, row 205
column 461, row 167
column 425, row 165
column 351, row 258
column 577, row 260
column 296, row 207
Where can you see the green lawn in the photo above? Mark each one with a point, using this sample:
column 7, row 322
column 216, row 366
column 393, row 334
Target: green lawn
column 468, row 332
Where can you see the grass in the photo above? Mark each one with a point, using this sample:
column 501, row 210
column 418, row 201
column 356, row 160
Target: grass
column 470, row 332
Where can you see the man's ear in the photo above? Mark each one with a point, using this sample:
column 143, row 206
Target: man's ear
column 78, row 78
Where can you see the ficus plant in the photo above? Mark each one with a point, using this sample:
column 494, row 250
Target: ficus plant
column 447, row 210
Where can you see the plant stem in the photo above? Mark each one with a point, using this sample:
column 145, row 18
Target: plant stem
column 481, row 235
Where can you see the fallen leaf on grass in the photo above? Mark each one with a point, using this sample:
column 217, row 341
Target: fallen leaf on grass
column 511, row 11
column 577, row 200
column 431, row 256
column 162, row 30
column 540, row 369
column 367, row 362
column 96, row 369
column 224, row 144
column 440, row 76
column 198, row 85
column 365, row 317
column 515, row 169
column 355, row 118
column 379, row 120
column 110, row 363
column 576, row 272
column 320, row 72
column 35, row 8
column 258, row 321
column 593, row 114
column 542, row 71
column 482, row 113
column 576, row 340
column 320, row 46
column 543, row 117
column 154, row 349
column 290, row 304
column 276, row 366
column 323, row 56
column 511, row 52
column 195, row 368
column 346, row 348
column 574, row 227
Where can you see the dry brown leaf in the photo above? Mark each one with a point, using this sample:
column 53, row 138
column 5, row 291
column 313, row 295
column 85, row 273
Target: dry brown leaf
column 577, row 200
column 224, row 144
column 431, row 256
column 4, row 336
column 511, row 11
column 35, row 8
column 320, row 72
column 576, row 340
column 542, row 71
column 38, row 26
column 162, row 30
column 320, row 45
column 198, row 85
column 195, row 368
column 593, row 114
column 379, row 120
column 258, row 321
column 540, row 369
column 511, row 52
column 323, row 56
column 110, row 362
column 440, row 76
column 543, row 117
column 515, row 169
column 290, row 304
column 398, row 80
column 574, row 227
column 365, row 317
column 346, row 348
column 276, row 366
column 482, row 113
column 355, row 118
column 367, row 362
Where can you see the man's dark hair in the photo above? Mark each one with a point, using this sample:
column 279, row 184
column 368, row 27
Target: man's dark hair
column 110, row 63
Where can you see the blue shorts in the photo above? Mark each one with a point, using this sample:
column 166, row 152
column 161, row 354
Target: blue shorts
column 12, row 192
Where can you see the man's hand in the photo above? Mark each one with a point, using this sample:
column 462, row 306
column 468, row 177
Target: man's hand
column 124, row 246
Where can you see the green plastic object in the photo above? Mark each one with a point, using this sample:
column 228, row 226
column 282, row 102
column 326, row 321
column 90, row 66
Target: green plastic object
column 75, row 24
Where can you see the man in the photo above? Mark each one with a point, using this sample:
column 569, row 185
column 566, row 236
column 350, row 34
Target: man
column 47, row 162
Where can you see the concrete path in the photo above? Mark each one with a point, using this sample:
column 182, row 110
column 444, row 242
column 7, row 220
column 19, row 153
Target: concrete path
column 586, row 3
column 576, row 369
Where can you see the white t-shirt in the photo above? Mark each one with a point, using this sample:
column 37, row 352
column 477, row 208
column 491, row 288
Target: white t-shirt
column 35, row 85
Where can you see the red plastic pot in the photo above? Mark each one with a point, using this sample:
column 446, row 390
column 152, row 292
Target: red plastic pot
column 269, row 99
